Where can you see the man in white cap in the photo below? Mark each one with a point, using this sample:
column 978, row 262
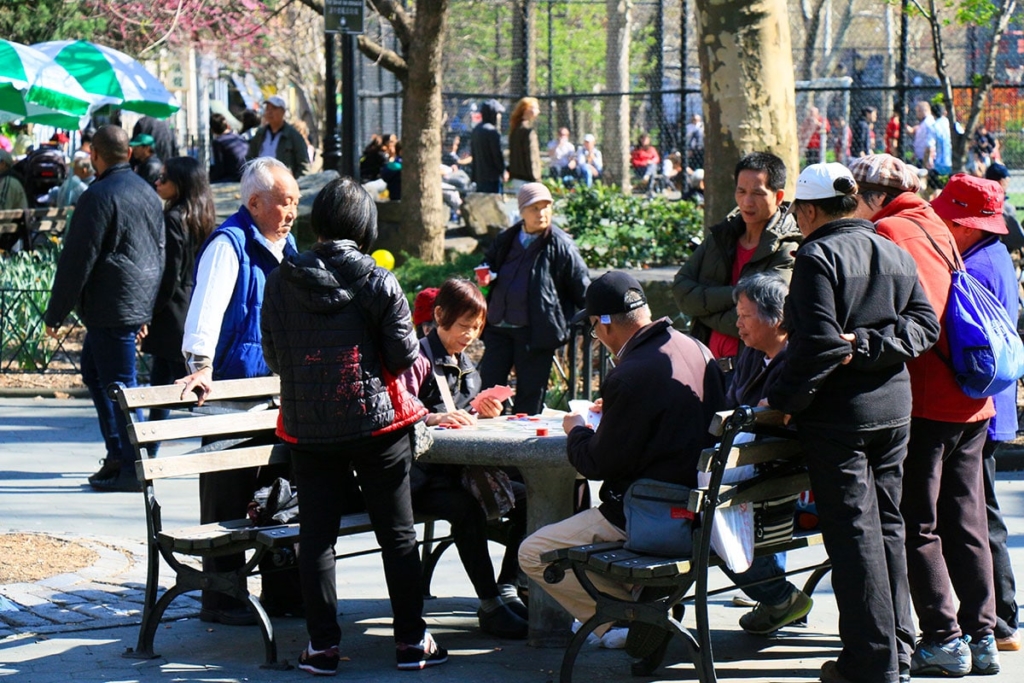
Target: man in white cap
column 856, row 313
column 538, row 285
column 279, row 139
column 589, row 162
column 947, row 436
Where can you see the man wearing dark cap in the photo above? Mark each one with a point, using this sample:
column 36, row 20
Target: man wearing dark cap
column 1014, row 237
column 279, row 139
column 947, row 435
column 485, row 143
column 655, row 408
column 147, row 164
column 537, row 285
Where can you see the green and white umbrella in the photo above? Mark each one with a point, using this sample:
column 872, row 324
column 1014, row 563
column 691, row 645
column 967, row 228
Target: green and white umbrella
column 113, row 77
column 35, row 89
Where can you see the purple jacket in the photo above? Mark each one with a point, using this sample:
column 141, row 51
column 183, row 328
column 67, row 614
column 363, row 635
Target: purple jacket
column 990, row 263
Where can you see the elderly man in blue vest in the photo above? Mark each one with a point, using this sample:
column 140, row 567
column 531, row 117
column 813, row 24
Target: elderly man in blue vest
column 222, row 336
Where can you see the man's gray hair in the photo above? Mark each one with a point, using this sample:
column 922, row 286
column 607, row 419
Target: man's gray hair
column 638, row 316
column 257, row 177
column 767, row 291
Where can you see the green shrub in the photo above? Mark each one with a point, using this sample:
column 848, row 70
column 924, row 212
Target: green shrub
column 617, row 230
column 25, row 280
column 415, row 275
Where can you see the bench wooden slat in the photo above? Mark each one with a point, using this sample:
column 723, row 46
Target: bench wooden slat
column 216, row 461
column 205, row 537
column 649, row 567
column 777, row 487
column 224, row 390
column 767, row 449
column 142, row 433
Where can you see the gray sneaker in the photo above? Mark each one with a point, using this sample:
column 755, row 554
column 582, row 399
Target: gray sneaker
column 985, row 656
column 766, row 619
column 942, row 659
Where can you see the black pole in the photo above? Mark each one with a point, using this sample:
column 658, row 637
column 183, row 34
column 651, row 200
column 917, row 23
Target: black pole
column 901, row 84
column 657, row 105
column 349, row 107
column 684, row 21
column 332, row 151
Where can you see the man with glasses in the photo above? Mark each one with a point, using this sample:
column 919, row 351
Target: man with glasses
column 279, row 139
column 655, row 408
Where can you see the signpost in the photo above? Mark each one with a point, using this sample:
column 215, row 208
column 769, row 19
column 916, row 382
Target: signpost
column 344, row 17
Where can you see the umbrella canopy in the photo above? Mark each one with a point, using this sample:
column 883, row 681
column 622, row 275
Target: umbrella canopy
column 113, row 77
column 36, row 89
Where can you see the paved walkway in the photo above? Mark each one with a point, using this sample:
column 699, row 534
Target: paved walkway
column 75, row 627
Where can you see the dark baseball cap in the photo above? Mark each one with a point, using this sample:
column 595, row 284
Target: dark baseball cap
column 609, row 294
column 997, row 172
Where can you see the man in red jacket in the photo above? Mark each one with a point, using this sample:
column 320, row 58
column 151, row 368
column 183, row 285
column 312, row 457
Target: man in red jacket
column 943, row 496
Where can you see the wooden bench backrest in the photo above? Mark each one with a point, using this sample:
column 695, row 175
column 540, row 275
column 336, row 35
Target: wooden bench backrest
column 254, row 413
column 11, row 221
column 51, row 220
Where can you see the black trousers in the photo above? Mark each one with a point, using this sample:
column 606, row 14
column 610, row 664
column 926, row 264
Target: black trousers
column 1002, row 570
column 508, row 347
column 857, row 480
column 947, row 533
column 382, row 467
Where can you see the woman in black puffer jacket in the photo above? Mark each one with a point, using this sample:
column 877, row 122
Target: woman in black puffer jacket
column 337, row 329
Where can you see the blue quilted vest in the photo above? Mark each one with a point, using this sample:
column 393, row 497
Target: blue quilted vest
column 239, row 352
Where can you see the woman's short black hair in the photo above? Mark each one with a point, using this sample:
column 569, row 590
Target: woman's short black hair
column 345, row 211
column 457, row 298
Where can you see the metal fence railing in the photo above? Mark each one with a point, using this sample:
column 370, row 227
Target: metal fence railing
column 25, row 346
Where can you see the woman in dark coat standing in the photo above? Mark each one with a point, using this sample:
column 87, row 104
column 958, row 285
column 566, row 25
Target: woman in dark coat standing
column 189, row 217
column 337, row 329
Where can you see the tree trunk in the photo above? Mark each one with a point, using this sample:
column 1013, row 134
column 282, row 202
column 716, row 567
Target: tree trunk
column 746, row 64
column 616, row 108
column 423, row 213
column 942, row 73
column 524, row 47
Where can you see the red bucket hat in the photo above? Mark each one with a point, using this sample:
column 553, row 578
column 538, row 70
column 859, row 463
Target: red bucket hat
column 423, row 306
column 973, row 203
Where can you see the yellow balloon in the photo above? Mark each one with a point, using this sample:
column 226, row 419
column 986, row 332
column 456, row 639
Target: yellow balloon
column 384, row 258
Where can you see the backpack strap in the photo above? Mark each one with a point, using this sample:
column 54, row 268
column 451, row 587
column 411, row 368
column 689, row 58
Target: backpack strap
column 954, row 265
column 439, row 378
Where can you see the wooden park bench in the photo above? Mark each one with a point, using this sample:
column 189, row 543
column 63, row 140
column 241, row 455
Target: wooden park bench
column 249, row 407
column 666, row 584
column 31, row 226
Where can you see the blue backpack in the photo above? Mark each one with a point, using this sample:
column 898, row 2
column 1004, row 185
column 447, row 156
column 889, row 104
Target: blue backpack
column 985, row 350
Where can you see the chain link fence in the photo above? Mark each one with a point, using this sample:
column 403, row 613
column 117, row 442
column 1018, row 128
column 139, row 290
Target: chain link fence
column 846, row 59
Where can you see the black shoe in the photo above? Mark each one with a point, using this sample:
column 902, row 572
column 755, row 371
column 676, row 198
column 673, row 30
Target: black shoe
column 421, row 655
column 122, row 481
column 518, row 608
column 110, row 468
column 644, row 639
column 323, row 663
column 649, row 664
column 233, row 616
column 503, row 623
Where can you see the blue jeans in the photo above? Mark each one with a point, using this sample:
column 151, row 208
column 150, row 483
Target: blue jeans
column 108, row 356
column 771, row 569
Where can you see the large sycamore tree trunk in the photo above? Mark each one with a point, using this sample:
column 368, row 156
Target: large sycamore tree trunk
column 423, row 212
column 747, row 83
column 615, row 131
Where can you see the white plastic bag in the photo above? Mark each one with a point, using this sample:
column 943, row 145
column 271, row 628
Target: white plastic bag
column 732, row 536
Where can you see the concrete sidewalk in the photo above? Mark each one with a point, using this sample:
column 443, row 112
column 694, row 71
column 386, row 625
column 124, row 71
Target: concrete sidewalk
column 76, row 626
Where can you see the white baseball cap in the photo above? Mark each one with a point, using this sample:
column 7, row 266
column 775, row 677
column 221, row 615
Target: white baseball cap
column 825, row 181
column 277, row 101
column 589, row 137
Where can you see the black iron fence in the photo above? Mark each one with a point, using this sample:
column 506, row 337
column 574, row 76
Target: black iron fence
column 25, row 345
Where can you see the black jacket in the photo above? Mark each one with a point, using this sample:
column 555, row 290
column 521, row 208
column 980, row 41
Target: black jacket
column 849, row 279
column 558, row 283
column 332, row 323
column 168, row 323
column 658, row 404
column 113, row 255
column 752, row 378
column 228, row 151
column 485, row 143
column 150, row 169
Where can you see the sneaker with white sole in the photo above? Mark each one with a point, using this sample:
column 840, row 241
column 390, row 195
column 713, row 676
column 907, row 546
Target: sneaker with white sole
column 942, row 659
column 766, row 619
column 421, row 655
column 319, row 662
column 985, row 656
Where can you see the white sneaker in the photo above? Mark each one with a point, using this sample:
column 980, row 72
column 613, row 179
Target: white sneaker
column 614, row 638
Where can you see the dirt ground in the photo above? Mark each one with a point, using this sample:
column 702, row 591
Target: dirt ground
column 31, row 557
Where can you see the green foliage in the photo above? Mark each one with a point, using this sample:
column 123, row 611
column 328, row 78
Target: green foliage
column 25, row 280
column 618, row 230
column 37, row 21
column 415, row 274
column 1012, row 145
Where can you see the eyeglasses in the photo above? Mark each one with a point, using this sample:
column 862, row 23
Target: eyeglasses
column 161, row 178
column 593, row 332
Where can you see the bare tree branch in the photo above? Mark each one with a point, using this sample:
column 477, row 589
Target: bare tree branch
column 387, row 59
column 398, row 18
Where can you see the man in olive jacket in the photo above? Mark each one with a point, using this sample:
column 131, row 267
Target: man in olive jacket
column 110, row 271
column 279, row 139
column 756, row 238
